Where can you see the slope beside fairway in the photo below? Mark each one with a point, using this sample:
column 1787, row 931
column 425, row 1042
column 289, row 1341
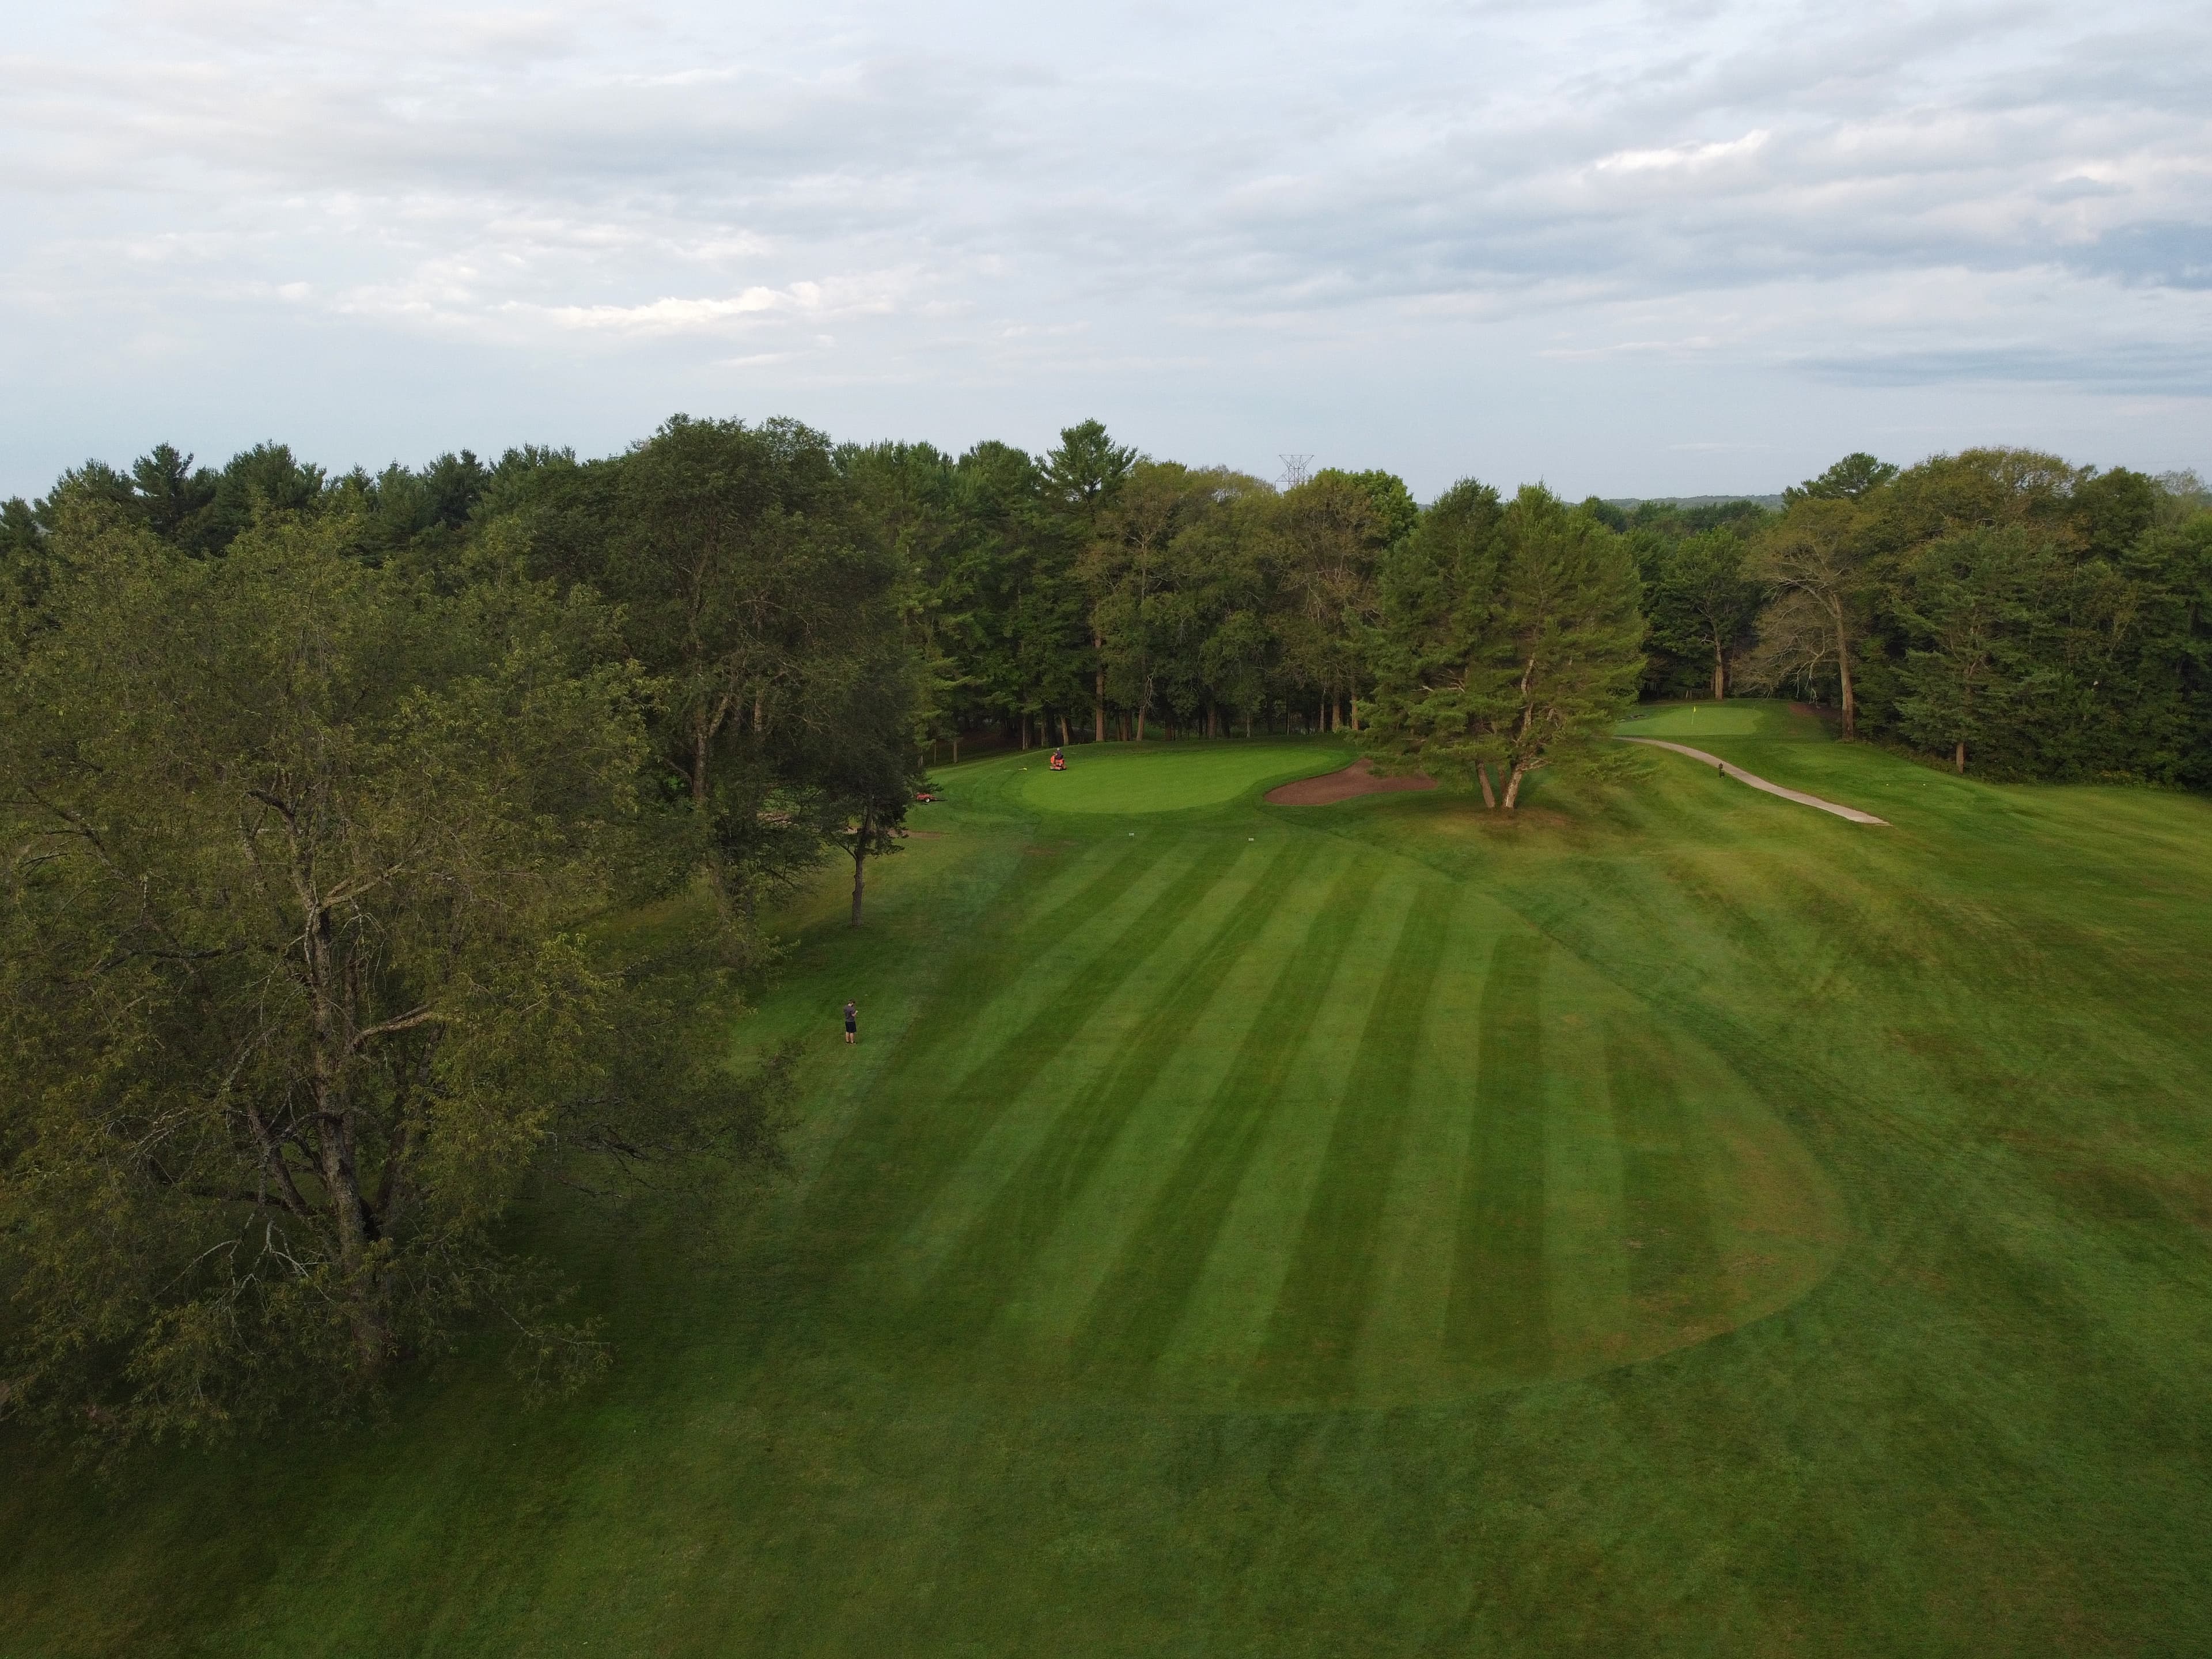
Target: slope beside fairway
column 1668, row 1221
column 1738, row 775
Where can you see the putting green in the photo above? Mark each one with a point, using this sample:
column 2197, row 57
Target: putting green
column 1738, row 718
column 1131, row 778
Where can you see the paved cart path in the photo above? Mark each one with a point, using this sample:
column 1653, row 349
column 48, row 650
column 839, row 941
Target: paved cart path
column 1757, row 782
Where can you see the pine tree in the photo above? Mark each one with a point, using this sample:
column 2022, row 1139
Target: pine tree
column 1511, row 637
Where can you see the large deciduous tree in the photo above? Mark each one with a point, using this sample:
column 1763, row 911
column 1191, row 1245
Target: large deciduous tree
column 1816, row 561
column 296, row 861
column 745, row 587
column 1333, row 531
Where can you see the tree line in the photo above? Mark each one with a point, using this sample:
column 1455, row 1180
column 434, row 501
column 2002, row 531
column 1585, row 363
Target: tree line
column 2002, row 610
column 1999, row 606
column 328, row 804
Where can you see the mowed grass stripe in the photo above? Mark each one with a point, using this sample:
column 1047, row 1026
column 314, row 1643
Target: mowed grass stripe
column 1314, row 1329
column 1001, row 1245
column 1499, row 1318
column 1135, row 1312
column 1667, row 1217
column 1056, row 1301
column 997, row 951
column 891, row 1164
column 1115, row 862
column 993, row 958
column 1098, row 1034
column 1401, row 1352
column 1220, row 1342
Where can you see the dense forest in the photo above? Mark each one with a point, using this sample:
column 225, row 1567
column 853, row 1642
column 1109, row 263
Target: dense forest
column 1999, row 607
column 317, row 793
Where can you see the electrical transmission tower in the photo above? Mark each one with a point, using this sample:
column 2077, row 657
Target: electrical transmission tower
column 1296, row 470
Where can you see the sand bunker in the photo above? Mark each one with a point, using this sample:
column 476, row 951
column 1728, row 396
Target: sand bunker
column 1356, row 779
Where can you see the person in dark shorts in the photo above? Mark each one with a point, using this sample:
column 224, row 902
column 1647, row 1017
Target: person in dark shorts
column 851, row 1022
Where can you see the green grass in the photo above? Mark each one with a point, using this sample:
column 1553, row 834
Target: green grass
column 1679, row 722
column 1676, row 1221
column 1129, row 779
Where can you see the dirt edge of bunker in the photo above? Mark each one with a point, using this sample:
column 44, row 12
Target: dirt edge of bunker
column 1356, row 779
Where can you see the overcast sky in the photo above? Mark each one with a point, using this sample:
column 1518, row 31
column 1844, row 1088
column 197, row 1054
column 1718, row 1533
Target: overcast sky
column 1628, row 249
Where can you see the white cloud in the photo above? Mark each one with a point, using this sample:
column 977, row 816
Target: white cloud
column 1203, row 224
column 1685, row 158
column 672, row 316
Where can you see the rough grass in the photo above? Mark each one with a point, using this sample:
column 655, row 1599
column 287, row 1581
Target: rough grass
column 1677, row 1221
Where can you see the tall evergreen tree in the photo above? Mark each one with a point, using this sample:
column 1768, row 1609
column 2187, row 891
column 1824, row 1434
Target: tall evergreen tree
column 1965, row 601
column 1510, row 636
column 1702, row 601
column 1083, row 475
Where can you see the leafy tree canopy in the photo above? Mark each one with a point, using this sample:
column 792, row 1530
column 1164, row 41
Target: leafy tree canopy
column 301, row 859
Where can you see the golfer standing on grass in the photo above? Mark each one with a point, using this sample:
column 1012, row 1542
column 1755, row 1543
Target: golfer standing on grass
column 851, row 1022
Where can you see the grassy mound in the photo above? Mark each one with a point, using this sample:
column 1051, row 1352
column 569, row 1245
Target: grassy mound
column 1672, row 1221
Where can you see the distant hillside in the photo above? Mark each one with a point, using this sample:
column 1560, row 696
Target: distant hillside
column 1630, row 503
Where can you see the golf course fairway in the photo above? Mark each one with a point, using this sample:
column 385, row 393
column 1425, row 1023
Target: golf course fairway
column 1227, row 1112
column 1670, row 1219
